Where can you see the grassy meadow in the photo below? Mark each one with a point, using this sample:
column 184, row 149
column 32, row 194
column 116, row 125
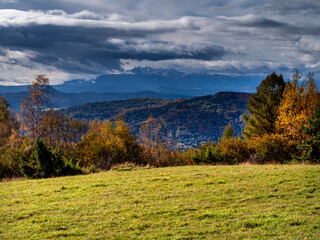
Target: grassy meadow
column 191, row 202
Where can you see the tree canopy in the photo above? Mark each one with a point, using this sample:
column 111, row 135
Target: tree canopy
column 297, row 106
column 32, row 112
column 262, row 107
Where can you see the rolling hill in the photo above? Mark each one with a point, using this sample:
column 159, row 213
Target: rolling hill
column 191, row 121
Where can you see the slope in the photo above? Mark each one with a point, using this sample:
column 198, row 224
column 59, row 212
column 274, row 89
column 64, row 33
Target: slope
column 191, row 121
column 192, row 202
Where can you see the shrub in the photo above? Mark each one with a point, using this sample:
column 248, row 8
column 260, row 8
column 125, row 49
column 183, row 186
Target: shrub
column 273, row 148
column 10, row 156
column 207, row 153
column 108, row 143
column 161, row 156
column 41, row 161
column 233, row 150
column 37, row 162
column 70, row 168
column 63, row 166
column 9, row 163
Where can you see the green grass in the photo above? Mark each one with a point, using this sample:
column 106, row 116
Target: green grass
column 195, row 202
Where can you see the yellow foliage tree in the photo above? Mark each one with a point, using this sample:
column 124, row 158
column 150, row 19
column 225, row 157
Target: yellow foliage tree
column 297, row 105
column 108, row 143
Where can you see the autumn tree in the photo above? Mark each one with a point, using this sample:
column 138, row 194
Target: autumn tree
column 153, row 132
column 38, row 119
column 9, row 166
column 32, row 112
column 7, row 122
column 107, row 143
column 157, row 143
column 262, row 107
column 298, row 105
column 59, row 130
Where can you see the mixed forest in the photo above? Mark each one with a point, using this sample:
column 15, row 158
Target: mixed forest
column 282, row 125
column 189, row 121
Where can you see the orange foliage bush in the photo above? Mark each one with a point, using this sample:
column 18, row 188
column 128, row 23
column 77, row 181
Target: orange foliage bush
column 273, row 147
column 233, row 150
column 108, row 143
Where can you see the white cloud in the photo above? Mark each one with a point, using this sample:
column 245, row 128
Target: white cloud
column 9, row 1
column 215, row 66
column 94, row 36
column 16, row 18
column 308, row 58
column 309, row 43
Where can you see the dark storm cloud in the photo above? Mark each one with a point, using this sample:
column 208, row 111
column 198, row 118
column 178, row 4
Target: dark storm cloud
column 262, row 23
column 62, row 46
column 297, row 7
column 97, row 36
column 77, row 45
column 157, row 51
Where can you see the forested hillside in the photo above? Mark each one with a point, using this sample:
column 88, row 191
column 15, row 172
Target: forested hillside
column 189, row 121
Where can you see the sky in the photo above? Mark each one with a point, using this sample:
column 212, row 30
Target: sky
column 69, row 39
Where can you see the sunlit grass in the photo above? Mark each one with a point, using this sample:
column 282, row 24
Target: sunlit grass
column 196, row 202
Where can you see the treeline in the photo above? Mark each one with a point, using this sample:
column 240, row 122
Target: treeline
column 282, row 125
column 42, row 142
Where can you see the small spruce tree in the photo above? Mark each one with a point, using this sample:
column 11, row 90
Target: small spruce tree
column 227, row 133
column 39, row 162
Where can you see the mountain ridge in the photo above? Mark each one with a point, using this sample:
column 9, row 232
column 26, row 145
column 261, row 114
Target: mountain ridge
column 165, row 81
column 191, row 121
column 62, row 100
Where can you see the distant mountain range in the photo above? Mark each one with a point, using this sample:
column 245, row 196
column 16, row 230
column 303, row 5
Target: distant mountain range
column 157, row 80
column 139, row 83
column 163, row 81
column 191, row 121
column 168, row 95
column 61, row 100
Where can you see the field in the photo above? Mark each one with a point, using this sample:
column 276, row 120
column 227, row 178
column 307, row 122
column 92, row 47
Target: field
column 194, row 202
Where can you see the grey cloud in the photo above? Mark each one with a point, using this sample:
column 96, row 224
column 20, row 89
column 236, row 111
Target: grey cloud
column 14, row 18
column 298, row 7
column 260, row 23
column 137, row 9
column 267, row 33
column 89, row 48
column 157, row 51
column 96, row 36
